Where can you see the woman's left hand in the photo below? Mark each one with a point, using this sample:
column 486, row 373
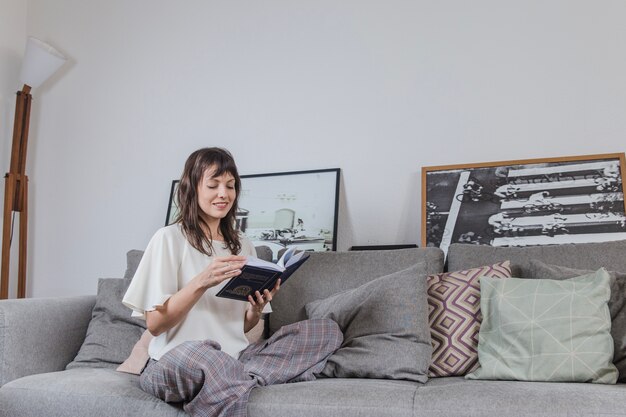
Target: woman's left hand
column 259, row 301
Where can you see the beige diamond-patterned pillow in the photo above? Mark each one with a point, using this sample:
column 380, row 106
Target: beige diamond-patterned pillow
column 454, row 317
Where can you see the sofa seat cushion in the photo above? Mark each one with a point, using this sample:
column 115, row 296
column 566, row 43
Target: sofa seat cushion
column 88, row 392
column 85, row 392
column 455, row 396
column 335, row 397
column 94, row 392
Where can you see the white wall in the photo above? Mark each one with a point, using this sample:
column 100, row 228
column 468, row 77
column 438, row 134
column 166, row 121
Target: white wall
column 379, row 89
column 12, row 43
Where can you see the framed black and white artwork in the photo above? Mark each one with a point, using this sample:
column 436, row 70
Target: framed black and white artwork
column 285, row 209
column 525, row 202
column 172, row 207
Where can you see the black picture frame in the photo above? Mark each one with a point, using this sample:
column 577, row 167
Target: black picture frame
column 282, row 209
column 383, row 247
column 296, row 208
column 172, row 207
column 528, row 202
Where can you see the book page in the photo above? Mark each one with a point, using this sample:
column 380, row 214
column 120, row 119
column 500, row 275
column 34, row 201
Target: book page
column 283, row 261
column 260, row 263
column 294, row 258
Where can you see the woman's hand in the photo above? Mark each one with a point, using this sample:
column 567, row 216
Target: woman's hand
column 221, row 269
column 174, row 310
column 256, row 306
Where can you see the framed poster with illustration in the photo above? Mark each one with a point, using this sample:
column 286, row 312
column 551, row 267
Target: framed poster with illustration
column 525, row 202
column 285, row 209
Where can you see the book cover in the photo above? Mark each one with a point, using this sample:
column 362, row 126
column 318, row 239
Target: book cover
column 258, row 275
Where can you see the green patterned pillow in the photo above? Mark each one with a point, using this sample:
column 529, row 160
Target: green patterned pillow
column 546, row 330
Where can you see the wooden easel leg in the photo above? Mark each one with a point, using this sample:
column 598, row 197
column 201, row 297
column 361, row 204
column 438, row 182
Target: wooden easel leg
column 21, row 272
column 9, row 193
column 15, row 196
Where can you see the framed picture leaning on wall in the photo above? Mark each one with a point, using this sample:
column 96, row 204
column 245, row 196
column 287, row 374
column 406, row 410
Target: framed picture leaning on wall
column 525, row 202
column 285, row 209
column 172, row 207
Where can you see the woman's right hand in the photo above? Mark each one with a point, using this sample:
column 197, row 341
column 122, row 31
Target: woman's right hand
column 221, row 269
column 174, row 310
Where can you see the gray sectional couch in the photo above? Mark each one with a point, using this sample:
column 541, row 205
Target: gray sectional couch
column 40, row 337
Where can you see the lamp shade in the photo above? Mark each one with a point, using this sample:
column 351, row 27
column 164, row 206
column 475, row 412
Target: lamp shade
column 40, row 62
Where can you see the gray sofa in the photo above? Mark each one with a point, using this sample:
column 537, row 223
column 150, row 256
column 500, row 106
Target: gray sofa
column 39, row 337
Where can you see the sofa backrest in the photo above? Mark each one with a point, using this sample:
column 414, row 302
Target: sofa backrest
column 611, row 255
column 327, row 273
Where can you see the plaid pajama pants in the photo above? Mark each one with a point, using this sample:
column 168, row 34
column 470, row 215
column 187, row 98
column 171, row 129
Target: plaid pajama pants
column 212, row 383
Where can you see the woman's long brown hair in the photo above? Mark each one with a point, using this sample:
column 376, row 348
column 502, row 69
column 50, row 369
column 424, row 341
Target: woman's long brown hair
column 192, row 223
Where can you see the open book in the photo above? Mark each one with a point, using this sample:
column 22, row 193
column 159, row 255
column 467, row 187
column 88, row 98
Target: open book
column 257, row 275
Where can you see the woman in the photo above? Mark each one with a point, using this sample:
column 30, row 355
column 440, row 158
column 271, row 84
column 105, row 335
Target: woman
column 200, row 355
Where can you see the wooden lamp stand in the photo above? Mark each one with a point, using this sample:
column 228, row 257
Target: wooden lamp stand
column 16, row 196
column 40, row 62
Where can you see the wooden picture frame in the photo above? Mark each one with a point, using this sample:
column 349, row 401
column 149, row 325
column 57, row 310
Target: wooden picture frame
column 284, row 209
column 525, row 202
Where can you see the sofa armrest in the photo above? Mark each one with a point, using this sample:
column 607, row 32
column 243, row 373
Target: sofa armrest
column 40, row 335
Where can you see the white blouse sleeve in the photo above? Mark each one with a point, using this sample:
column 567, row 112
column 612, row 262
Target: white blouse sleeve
column 156, row 278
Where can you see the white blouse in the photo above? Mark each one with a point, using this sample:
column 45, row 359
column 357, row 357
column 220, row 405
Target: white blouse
column 168, row 264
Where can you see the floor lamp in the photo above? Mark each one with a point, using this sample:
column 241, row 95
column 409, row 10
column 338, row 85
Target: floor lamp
column 40, row 62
